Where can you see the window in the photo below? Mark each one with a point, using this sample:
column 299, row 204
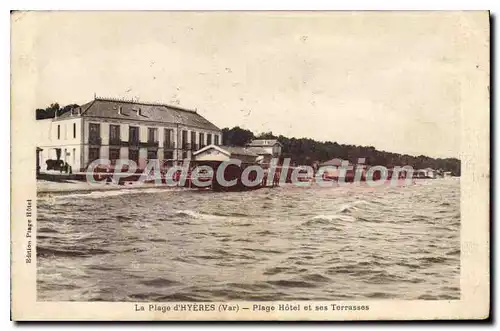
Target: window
column 133, row 154
column 114, row 154
column 93, row 153
column 184, row 139
column 193, row 140
column 133, row 134
column 152, row 134
column 216, row 139
column 184, row 155
column 168, row 139
column 152, row 154
column 94, row 133
column 94, row 128
column 74, row 130
column 168, row 155
column 114, row 134
column 58, row 132
column 209, row 139
column 202, row 140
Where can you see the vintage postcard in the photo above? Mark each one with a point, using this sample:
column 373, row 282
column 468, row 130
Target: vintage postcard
column 250, row 165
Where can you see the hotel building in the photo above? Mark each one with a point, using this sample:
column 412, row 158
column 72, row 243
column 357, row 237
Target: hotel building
column 117, row 129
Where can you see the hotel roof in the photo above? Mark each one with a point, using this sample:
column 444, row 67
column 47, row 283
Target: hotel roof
column 140, row 112
column 230, row 150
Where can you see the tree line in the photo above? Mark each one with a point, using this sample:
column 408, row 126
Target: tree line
column 307, row 151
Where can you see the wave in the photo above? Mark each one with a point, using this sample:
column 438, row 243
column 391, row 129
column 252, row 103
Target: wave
column 291, row 283
column 240, row 224
column 328, row 219
column 252, row 286
column 103, row 268
column 122, row 217
column 360, row 205
column 47, row 230
column 348, row 208
column 272, row 251
column 157, row 240
column 98, row 194
column 235, row 214
column 181, row 223
column 439, row 297
column 135, row 250
column 431, row 260
column 159, row 282
column 188, row 213
column 316, row 278
column 46, row 252
column 276, row 270
column 193, row 214
column 264, row 233
column 380, row 295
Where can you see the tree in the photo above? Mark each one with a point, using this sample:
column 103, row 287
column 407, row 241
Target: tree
column 266, row 135
column 51, row 111
column 236, row 136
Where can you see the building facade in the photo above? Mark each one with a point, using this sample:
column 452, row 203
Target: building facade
column 272, row 147
column 117, row 129
column 266, row 149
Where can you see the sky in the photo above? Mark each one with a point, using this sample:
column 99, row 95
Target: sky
column 382, row 79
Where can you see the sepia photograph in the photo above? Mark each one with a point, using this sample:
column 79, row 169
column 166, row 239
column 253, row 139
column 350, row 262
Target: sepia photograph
column 273, row 163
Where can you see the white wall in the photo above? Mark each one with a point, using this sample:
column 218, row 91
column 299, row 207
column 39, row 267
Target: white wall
column 124, row 131
column 211, row 155
column 143, row 133
column 68, row 140
column 47, row 132
column 105, row 134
